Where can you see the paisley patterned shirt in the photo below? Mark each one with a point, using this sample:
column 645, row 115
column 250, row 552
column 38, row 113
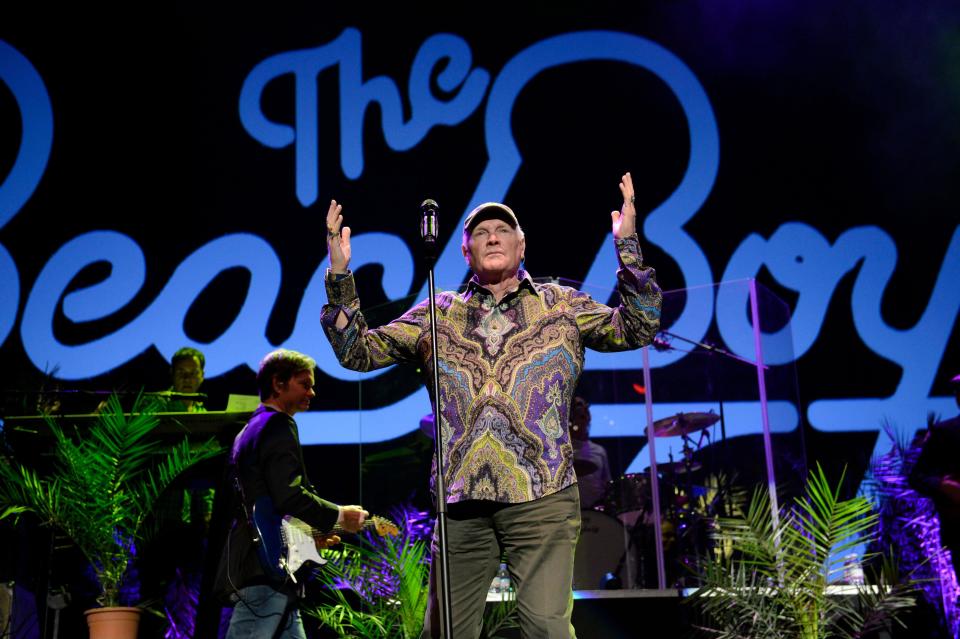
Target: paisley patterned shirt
column 508, row 369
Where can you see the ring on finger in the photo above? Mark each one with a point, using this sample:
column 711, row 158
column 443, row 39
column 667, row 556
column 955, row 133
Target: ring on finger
column 633, row 198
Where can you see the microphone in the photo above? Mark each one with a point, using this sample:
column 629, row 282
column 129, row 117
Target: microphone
column 660, row 344
column 429, row 227
column 428, row 223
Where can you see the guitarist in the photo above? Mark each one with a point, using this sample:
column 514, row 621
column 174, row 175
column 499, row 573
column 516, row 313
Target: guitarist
column 267, row 461
column 937, row 474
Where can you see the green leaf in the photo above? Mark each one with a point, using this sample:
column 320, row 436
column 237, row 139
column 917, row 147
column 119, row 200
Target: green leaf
column 104, row 483
column 774, row 580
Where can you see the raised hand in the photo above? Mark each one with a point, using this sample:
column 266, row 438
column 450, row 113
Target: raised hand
column 625, row 220
column 338, row 240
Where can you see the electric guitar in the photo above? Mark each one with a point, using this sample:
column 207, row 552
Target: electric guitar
column 287, row 543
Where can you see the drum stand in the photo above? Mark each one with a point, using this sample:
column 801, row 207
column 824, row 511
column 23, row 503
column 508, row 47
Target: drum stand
column 689, row 523
column 638, row 573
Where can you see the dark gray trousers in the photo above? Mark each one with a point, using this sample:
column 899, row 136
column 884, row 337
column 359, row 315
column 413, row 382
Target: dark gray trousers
column 538, row 540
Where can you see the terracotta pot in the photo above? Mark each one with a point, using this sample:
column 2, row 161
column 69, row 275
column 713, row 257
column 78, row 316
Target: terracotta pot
column 113, row 623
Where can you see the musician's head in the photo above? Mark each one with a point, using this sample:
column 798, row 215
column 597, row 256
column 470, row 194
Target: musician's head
column 186, row 370
column 285, row 380
column 493, row 242
column 580, row 419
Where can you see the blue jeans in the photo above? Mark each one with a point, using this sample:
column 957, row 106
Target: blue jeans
column 264, row 613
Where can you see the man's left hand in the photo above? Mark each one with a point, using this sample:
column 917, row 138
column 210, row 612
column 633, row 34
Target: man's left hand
column 625, row 220
column 327, row 541
column 352, row 518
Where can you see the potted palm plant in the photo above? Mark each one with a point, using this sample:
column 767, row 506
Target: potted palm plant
column 104, row 482
column 775, row 578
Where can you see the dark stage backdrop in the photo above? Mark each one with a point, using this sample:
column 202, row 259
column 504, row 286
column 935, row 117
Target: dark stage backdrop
column 165, row 171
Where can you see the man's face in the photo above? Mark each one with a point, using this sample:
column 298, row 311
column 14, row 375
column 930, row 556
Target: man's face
column 294, row 395
column 580, row 419
column 494, row 248
column 187, row 375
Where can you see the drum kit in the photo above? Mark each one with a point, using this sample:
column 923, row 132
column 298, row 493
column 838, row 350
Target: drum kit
column 617, row 538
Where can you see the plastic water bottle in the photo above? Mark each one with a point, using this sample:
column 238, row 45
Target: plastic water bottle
column 852, row 570
column 503, row 579
column 495, row 585
column 503, row 575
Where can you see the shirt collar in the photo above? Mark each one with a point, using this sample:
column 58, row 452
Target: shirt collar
column 475, row 287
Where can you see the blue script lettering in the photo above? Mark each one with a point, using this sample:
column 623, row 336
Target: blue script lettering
column 801, row 259
column 797, row 255
column 36, row 119
column 161, row 324
column 356, row 96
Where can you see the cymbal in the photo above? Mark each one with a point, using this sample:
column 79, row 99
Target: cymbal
column 683, row 424
column 584, row 466
column 679, row 467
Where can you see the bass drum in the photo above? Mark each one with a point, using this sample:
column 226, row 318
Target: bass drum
column 603, row 547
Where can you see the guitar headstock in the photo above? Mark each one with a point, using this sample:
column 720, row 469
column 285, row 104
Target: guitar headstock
column 384, row 527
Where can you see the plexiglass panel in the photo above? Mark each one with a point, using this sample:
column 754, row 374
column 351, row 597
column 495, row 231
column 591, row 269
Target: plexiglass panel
column 719, row 396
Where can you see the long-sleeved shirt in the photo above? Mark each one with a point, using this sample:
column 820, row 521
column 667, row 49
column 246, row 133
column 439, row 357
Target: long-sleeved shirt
column 508, row 369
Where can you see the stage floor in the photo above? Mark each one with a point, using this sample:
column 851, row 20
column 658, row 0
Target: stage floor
column 608, row 614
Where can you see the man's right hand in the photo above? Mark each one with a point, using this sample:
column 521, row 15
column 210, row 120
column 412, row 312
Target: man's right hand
column 950, row 488
column 338, row 240
column 352, row 518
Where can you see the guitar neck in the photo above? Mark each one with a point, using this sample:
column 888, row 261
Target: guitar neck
column 371, row 523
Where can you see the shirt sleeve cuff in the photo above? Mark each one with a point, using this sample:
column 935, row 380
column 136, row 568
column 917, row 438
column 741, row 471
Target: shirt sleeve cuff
column 341, row 288
column 628, row 249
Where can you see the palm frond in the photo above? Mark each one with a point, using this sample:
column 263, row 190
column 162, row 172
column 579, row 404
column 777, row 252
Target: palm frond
column 501, row 616
column 105, row 481
column 775, row 581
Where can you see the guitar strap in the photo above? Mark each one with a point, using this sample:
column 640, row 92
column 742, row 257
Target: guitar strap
column 247, row 515
column 226, row 589
column 245, row 506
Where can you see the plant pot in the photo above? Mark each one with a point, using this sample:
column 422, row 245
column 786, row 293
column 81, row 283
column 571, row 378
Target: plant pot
column 113, row 623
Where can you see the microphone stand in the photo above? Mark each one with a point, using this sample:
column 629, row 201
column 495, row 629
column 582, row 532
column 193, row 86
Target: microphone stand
column 711, row 349
column 428, row 232
column 708, row 347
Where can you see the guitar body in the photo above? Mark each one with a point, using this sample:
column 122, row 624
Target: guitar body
column 300, row 544
column 287, row 543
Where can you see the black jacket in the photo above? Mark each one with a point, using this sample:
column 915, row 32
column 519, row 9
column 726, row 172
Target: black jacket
column 940, row 456
column 268, row 460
